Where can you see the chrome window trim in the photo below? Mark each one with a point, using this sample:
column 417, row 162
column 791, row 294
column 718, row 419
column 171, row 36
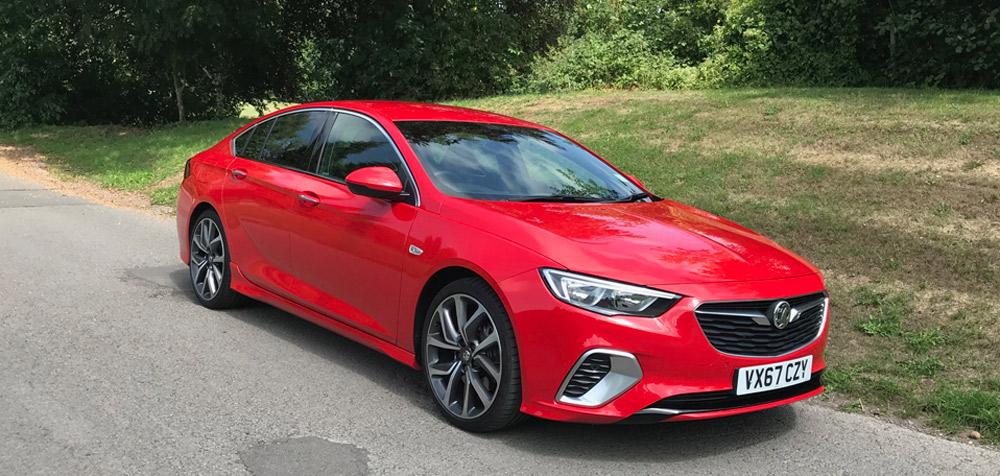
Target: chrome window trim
column 335, row 110
column 249, row 130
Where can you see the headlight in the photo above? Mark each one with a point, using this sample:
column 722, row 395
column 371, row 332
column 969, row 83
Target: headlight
column 607, row 297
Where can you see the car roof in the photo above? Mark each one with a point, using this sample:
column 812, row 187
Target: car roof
column 415, row 111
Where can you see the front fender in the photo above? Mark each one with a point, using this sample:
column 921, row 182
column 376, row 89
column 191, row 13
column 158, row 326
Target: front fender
column 447, row 243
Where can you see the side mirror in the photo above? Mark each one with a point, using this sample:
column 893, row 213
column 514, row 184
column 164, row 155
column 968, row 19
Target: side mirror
column 635, row 180
column 375, row 182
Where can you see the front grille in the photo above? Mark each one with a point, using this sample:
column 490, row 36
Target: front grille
column 594, row 368
column 742, row 327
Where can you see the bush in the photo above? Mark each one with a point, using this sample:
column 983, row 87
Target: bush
column 597, row 60
column 428, row 49
column 787, row 42
column 933, row 43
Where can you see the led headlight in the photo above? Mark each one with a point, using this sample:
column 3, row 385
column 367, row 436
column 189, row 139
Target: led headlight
column 607, row 297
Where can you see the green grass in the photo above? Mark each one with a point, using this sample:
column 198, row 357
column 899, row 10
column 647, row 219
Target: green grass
column 894, row 194
column 956, row 409
column 147, row 161
column 123, row 158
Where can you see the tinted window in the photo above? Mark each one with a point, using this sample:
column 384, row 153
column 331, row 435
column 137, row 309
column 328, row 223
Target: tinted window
column 241, row 141
column 255, row 141
column 355, row 143
column 499, row 162
column 293, row 138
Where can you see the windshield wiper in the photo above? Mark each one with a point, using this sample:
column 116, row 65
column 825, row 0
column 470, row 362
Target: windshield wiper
column 559, row 198
column 635, row 197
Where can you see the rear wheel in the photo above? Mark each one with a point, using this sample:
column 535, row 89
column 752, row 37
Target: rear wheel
column 208, row 261
column 470, row 357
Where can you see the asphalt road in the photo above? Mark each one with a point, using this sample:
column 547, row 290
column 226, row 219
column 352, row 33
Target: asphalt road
column 107, row 366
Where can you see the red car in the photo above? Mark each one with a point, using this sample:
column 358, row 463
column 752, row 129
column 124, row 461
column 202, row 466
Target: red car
column 523, row 273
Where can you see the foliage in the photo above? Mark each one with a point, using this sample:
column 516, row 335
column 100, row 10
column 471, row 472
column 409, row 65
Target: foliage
column 46, row 65
column 425, row 49
column 66, row 61
column 677, row 28
column 614, row 60
column 793, row 42
column 211, row 55
column 134, row 62
column 933, row 42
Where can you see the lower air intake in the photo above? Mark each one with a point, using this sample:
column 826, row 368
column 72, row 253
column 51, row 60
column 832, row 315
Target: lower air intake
column 594, row 368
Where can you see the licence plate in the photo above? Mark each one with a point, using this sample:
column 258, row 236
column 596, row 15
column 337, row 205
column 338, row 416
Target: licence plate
column 761, row 378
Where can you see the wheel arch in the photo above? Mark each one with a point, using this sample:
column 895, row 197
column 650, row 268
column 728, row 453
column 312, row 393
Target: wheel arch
column 195, row 212
column 434, row 284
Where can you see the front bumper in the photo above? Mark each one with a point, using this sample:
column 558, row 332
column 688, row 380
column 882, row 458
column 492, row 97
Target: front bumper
column 673, row 353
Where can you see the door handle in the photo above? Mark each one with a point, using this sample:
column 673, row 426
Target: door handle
column 239, row 174
column 308, row 199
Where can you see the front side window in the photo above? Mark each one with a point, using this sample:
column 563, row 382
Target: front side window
column 354, row 143
column 499, row 162
column 293, row 139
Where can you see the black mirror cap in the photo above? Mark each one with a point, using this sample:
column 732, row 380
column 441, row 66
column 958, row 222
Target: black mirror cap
column 364, row 191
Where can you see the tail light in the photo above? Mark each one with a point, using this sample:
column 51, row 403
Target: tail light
column 187, row 168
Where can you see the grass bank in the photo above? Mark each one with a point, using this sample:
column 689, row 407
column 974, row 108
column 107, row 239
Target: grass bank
column 894, row 194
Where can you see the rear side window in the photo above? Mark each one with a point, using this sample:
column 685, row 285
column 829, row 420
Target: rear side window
column 255, row 141
column 293, row 139
column 356, row 143
column 241, row 141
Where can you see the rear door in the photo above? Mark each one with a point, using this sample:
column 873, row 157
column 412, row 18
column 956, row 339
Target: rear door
column 348, row 250
column 262, row 190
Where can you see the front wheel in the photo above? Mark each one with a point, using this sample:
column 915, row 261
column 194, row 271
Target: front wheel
column 208, row 261
column 470, row 357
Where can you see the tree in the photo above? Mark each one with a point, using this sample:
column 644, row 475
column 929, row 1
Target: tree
column 427, row 49
column 213, row 54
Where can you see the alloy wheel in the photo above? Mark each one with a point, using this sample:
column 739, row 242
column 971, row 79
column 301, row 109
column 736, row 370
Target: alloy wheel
column 208, row 259
column 463, row 356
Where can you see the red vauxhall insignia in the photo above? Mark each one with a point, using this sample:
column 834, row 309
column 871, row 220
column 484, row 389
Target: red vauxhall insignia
column 521, row 272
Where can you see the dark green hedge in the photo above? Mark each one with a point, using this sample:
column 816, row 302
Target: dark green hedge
column 937, row 43
column 129, row 61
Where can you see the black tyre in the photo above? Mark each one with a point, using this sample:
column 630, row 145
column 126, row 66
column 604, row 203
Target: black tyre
column 208, row 260
column 470, row 357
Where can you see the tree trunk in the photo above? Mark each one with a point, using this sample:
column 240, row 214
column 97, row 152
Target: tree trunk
column 220, row 98
column 179, row 94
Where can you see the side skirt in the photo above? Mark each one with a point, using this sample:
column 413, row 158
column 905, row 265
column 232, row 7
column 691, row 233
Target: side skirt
column 241, row 285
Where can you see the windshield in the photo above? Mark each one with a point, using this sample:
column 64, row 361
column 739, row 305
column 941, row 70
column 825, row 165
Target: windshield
column 499, row 162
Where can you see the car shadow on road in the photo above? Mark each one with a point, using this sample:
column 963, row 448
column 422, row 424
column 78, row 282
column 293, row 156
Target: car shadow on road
column 664, row 442
column 654, row 443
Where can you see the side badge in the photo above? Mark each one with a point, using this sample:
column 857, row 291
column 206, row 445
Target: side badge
column 415, row 251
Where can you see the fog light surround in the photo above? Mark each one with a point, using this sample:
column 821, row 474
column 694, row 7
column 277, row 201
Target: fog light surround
column 625, row 372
